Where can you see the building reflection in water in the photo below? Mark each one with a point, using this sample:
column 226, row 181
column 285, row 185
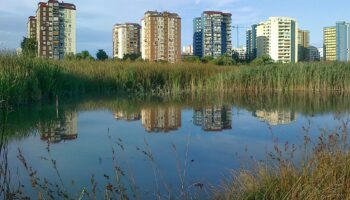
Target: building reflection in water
column 275, row 117
column 63, row 129
column 213, row 118
column 127, row 116
column 161, row 119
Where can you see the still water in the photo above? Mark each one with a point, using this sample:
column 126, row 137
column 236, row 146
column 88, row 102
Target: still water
column 162, row 146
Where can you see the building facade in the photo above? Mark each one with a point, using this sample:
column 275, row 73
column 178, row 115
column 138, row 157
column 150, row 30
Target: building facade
column 343, row 41
column 303, row 45
column 336, row 42
column 56, row 29
column 313, row 54
column 31, row 27
column 263, row 39
column 161, row 37
column 197, row 37
column 320, row 51
column 126, row 39
column 239, row 54
column 251, row 43
column 187, row 50
column 276, row 37
column 329, row 43
column 212, row 34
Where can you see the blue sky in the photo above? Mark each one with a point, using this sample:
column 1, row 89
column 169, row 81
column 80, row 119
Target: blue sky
column 95, row 18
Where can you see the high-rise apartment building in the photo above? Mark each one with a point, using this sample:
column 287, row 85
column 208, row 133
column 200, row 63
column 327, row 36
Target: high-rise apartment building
column 278, row 38
column 197, row 37
column 251, row 43
column 31, row 27
column 161, row 37
column 55, row 29
column 126, row 39
column 303, row 45
column 330, row 43
column 343, row 41
column 215, row 30
column 336, row 42
column 263, row 34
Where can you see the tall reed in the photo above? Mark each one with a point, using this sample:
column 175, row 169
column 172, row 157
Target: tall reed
column 24, row 80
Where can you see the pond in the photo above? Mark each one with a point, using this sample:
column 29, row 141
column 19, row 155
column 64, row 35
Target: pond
column 150, row 147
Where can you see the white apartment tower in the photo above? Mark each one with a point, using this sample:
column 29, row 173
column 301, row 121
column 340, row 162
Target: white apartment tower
column 278, row 38
column 126, row 39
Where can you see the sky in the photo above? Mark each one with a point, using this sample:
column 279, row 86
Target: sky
column 95, row 18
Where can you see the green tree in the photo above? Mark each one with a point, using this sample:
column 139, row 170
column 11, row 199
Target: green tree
column 263, row 60
column 29, row 47
column 207, row 59
column 225, row 59
column 192, row 59
column 132, row 56
column 101, row 55
column 84, row 55
column 70, row 56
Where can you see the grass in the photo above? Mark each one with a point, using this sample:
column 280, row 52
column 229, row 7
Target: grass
column 24, row 80
column 323, row 174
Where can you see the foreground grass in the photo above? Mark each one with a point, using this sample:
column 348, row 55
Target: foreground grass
column 324, row 175
column 24, row 80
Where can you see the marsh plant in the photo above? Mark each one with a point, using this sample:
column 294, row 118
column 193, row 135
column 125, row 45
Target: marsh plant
column 323, row 173
column 24, row 80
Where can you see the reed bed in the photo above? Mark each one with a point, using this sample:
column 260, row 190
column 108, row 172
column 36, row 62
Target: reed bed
column 24, row 80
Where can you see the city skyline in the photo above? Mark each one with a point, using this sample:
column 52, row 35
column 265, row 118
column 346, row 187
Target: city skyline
column 92, row 34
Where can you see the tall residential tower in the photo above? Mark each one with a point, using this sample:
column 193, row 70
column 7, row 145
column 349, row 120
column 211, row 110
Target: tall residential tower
column 329, row 43
column 212, row 34
column 343, row 41
column 251, row 43
column 336, row 42
column 31, row 27
column 303, row 45
column 126, row 39
column 276, row 37
column 197, row 37
column 55, row 29
column 161, row 37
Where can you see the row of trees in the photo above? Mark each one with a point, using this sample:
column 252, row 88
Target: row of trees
column 29, row 48
column 85, row 55
column 227, row 60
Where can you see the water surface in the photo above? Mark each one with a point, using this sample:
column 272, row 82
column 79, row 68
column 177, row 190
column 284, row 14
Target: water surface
column 162, row 144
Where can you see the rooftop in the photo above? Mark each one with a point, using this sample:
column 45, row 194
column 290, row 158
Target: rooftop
column 217, row 13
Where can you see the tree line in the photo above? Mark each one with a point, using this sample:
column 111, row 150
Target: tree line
column 29, row 49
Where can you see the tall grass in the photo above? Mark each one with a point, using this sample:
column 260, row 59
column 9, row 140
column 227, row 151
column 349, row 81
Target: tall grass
column 324, row 173
column 25, row 80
